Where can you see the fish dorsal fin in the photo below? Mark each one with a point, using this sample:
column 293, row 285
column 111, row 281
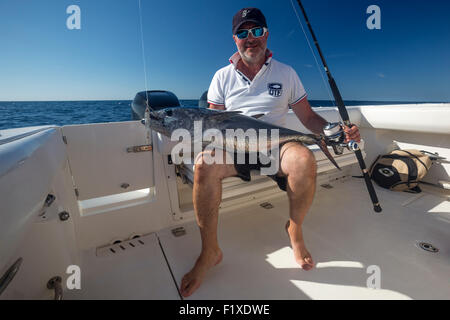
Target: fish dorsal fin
column 224, row 115
column 257, row 116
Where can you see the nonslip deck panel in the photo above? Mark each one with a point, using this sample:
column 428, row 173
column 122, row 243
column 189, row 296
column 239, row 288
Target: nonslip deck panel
column 136, row 273
column 346, row 239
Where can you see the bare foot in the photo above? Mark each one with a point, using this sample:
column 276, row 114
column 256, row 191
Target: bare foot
column 301, row 254
column 193, row 279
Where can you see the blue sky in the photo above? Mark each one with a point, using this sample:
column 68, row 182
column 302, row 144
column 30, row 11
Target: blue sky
column 187, row 41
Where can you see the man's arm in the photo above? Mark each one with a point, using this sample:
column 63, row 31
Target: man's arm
column 315, row 123
column 213, row 106
column 308, row 117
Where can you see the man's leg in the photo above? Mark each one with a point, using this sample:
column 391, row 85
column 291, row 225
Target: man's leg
column 207, row 195
column 299, row 165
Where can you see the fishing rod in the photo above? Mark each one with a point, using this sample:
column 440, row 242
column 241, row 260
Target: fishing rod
column 344, row 115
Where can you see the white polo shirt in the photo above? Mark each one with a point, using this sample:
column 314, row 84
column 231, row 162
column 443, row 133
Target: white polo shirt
column 275, row 87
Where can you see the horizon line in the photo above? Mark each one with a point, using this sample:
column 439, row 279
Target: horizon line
column 86, row 100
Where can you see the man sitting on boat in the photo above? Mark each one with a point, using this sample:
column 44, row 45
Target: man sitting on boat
column 255, row 83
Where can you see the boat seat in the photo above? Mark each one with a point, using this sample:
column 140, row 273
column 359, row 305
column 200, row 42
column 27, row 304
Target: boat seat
column 186, row 171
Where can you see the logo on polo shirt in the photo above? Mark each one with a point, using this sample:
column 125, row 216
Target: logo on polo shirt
column 275, row 89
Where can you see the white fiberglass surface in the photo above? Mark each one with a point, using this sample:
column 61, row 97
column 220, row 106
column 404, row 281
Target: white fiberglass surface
column 128, row 272
column 355, row 249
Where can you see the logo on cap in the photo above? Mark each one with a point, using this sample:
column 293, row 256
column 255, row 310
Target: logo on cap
column 244, row 13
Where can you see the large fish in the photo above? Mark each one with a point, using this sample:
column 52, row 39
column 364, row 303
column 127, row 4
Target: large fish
column 166, row 121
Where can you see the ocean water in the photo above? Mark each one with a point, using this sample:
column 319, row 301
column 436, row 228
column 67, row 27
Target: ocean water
column 17, row 114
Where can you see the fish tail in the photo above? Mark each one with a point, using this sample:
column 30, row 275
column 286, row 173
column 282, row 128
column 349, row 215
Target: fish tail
column 323, row 146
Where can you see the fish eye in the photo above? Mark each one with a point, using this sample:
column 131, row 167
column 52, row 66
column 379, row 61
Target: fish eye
column 169, row 113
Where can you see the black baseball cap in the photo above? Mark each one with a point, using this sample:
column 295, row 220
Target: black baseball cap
column 248, row 15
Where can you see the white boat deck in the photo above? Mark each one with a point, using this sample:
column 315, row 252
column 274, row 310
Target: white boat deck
column 349, row 242
column 342, row 232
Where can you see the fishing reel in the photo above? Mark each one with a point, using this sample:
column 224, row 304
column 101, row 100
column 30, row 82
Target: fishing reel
column 335, row 137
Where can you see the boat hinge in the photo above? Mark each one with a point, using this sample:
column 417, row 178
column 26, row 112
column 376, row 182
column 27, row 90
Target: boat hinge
column 64, row 138
column 76, row 192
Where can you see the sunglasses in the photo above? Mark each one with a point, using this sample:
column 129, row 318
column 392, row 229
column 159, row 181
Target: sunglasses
column 256, row 32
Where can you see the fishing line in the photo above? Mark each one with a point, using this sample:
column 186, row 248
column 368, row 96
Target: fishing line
column 343, row 113
column 149, row 134
column 327, row 88
column 143, row 49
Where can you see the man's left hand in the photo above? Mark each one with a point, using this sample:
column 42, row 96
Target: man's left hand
column 352, row 134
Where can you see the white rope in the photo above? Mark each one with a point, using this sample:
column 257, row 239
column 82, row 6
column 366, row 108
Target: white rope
column 327, row 88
